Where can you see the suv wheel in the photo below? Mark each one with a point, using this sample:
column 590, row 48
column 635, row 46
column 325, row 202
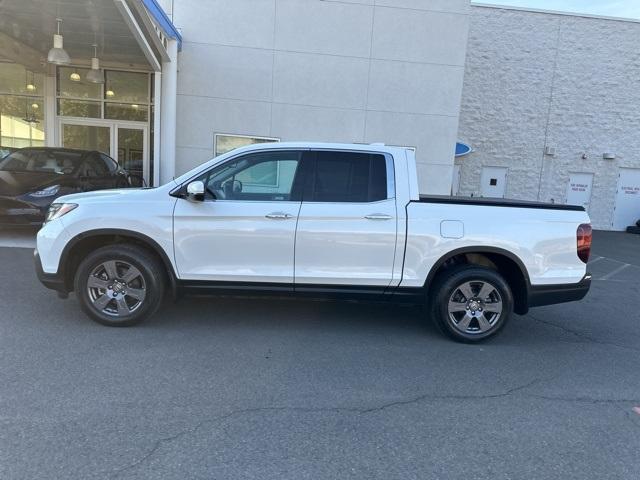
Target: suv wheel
column 471, row 303
column 119, row 285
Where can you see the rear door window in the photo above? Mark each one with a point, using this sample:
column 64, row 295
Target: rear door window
column 347, row 177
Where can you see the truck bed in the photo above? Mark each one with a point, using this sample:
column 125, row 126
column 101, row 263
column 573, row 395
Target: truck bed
column 497, row 202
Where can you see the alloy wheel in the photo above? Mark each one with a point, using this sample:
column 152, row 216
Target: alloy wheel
column 116, row 288
column 474, row 307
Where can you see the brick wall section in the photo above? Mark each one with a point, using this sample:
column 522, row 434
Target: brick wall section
column 569, row 82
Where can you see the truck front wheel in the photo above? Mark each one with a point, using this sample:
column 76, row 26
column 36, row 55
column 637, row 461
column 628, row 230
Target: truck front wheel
column 471, row 303
column 119, row 285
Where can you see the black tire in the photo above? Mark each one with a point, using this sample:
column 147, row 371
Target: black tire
column 142, row 296
column 635, row 230
column 481, row 323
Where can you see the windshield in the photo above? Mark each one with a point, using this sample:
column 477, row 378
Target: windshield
column 62, row 162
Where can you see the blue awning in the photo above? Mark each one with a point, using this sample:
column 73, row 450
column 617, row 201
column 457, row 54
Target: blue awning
column 462, row 149
column 158, row 14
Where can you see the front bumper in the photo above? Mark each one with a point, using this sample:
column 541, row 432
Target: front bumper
column 53, row 281
column 540, row 295
column 14, row 211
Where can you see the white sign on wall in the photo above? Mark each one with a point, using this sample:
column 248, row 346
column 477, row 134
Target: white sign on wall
column 579, row 189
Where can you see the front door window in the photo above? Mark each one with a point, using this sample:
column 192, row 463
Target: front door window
column 267, row 176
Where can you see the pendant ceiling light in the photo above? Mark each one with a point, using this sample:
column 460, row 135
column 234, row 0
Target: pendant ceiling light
column 75, row 76
column 29, row 117
column 57, row 54
column 30, row 85
column 95, row 75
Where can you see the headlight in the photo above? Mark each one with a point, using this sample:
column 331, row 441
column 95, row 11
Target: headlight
column 46, row 192
column 58, row 210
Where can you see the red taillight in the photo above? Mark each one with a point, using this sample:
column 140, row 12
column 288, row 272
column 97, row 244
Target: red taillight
column 584, row 236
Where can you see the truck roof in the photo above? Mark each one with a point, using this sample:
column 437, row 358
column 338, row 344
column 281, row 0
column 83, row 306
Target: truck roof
column 396, row 151
column 366, row 147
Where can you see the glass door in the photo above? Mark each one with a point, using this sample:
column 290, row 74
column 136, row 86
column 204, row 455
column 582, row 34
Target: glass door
column 125, row 142
column 132, row 153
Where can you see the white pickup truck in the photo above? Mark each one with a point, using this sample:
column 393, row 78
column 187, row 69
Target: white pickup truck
column 328, row 220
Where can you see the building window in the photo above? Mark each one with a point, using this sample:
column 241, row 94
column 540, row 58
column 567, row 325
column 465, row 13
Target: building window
column 224, row 142
column 21, row 108
column 127, row 95
column 123, row 96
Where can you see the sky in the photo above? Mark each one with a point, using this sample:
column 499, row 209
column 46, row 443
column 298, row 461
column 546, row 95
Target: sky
column 612, row 8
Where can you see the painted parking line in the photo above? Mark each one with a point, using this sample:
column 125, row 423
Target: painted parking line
column 615, row 272
column 597, row 259
column 612, row 270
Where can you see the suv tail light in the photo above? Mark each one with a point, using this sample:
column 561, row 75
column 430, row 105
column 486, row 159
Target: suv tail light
column 584, row 235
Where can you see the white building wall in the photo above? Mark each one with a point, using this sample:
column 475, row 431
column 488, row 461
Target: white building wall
column 537, row 79
column 347, row 70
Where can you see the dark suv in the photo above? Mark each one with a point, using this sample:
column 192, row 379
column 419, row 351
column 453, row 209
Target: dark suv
column 32, row 178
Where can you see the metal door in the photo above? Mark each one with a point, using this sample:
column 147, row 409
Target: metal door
column 493, row 182
column 579, row 189
column 627, row 210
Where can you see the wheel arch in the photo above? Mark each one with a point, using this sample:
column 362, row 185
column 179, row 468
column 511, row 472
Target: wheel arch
column 91, row 239
column 505, row 262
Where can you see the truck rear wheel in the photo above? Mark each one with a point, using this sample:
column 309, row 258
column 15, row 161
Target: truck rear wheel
column 471, row 303
column 119, row 285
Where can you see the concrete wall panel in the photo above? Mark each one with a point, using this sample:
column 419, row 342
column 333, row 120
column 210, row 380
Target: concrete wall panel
column 323, row 80
column 225, row 72
column 244, row 23
column 415, row 88
column 420, row 36
column 305, row 123
column 201, row 117
column 324, row 27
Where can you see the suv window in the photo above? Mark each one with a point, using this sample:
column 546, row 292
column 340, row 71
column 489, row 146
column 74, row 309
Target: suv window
column 109, row 162
column 44, row 160
column 260, row 176
column 93, row 166
column 348, row 177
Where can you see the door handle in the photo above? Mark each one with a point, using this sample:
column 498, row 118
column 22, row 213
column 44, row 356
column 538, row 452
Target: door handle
column 378, row 216
column 279, row 216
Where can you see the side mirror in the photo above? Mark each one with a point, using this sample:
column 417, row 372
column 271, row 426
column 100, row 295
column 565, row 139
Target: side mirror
column 135, row 180
column 195, row 191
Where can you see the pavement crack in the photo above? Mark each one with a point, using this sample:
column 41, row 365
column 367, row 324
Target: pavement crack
column 357, row 410
column 428, row 396
column 155, row 448
column 591, row 400
column 583, row 336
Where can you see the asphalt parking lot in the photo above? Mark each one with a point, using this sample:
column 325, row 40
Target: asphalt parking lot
column 281, row 389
